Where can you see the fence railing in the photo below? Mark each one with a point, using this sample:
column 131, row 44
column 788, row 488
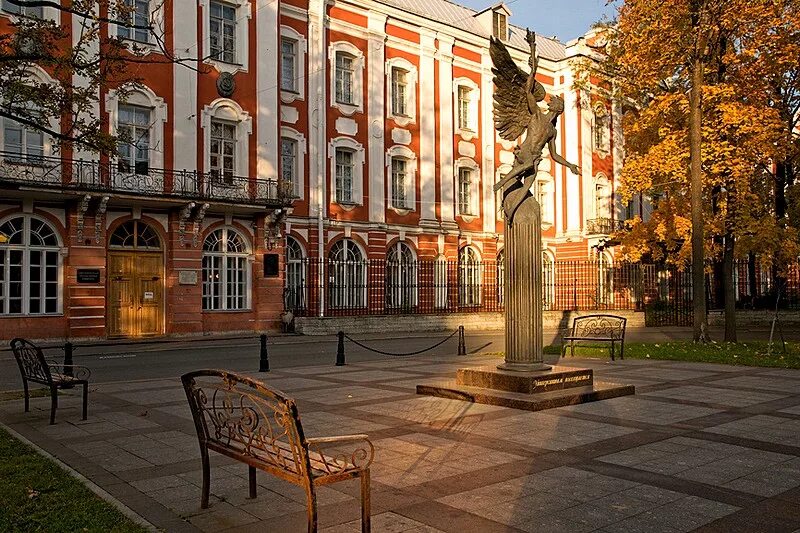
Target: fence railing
column 114, row 176
column 379, row 287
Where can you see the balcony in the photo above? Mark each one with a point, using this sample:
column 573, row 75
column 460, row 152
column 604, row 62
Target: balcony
column 57, row 173
column 603, row 226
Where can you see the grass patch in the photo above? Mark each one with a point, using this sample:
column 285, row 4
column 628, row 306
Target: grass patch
column 37, row 495
column 19, row 394
column 751, row 353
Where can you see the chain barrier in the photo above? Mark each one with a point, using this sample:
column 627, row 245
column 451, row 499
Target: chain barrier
column 340, row 358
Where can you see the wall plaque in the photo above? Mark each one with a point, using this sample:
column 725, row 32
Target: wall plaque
column 88, row 275
column 187, row 277
column 271, row 266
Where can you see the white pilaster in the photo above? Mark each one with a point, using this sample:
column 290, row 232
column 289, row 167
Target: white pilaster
column 447, row 184
column 184, row 106
column 81, row 26
column 427, row 128
column 317, row 145
column 268, row 114
column 376, row 111
column 488, row 137
column 619, row 155
column 573, row 155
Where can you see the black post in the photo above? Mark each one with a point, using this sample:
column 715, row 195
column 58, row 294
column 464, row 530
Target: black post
column 263, row 362
column 462, row 345
column 340, row 350
column 68, row 347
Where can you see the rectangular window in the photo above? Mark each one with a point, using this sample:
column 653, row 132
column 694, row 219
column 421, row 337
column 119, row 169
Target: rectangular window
column 27, row 11
column 400, row 183
column 464, row 104
column 223, row 151
column 345, row 74
column 24, row 144
column 465, row 191
column 399, row 92
column 345, row 169
column 289, row 166
column 500, row 26
column 222, row 32
column 602, row 202
column 133, row 143
column 135, row 20
column 288, row 65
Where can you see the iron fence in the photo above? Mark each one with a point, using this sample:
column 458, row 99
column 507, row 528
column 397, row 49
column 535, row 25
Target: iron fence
column 380, row 287
column 114, row 176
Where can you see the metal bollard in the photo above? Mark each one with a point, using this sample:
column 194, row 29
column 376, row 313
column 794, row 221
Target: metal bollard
column 462, row 344
column 340, row 350
column 68, row 348
column 263, row 361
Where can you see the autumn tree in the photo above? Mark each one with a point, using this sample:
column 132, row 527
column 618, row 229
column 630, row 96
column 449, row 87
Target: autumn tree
column 699, row 138
column 79, row 58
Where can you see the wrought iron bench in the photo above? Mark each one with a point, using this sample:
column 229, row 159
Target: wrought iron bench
column 34, row 367
column 597, row 328
column 244, row 419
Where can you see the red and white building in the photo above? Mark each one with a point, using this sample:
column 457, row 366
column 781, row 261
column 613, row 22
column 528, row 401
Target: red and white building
column 377, row 112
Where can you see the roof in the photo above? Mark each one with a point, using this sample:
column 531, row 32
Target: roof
column 463, row 18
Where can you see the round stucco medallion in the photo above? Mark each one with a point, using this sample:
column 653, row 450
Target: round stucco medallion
column 226, row 85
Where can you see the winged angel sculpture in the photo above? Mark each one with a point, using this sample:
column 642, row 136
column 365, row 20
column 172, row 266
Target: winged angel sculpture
column 516, row 111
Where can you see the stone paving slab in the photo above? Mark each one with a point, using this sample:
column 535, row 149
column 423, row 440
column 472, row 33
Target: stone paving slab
column 706, row 447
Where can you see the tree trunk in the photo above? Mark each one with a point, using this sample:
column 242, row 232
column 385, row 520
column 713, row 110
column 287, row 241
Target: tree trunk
column 730, row 288
column 700, row 321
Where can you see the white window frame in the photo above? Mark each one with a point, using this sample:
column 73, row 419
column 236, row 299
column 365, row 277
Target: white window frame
column 399, row 295
column 474, row 200
column 300, row 159
column 548, row 279
column 301, row 48
column 37, row 75
column 156, row 21
column 296, row 271
column 412, row 75
column 545, row 189
column 225, row 254
column 470, row 282
column 402, row 152
column 602, row 182
column 601, row 130
column 471, row 130
column 26, row 249
column 440, row 282
column 347, row 297
column 605, row 278
column 502, row 171
column 358, row 77
column 502, row 35
column 243, row 16
column 358, row 168
column 227, row 110
column 141, row 96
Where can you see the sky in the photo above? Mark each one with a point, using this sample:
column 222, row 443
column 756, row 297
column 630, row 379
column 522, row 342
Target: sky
column 565, row 19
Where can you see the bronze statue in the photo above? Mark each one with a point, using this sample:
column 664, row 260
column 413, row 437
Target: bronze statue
column 516, row 111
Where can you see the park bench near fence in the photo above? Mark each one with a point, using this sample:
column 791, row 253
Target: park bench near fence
column 250, row 422
column 35, row 368
column 597, row 328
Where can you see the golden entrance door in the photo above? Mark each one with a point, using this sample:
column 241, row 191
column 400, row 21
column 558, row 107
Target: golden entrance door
column 135, row 287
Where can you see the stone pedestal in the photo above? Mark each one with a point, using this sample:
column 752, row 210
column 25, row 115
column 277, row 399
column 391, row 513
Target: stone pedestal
column 531, row 391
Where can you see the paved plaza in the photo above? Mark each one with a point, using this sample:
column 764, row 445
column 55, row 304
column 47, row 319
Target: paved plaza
column 699, row 447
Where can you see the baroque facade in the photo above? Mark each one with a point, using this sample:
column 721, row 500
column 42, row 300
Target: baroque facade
column 375, row 116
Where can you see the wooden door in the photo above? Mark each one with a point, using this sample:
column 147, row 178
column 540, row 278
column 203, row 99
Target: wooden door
column 135, row 294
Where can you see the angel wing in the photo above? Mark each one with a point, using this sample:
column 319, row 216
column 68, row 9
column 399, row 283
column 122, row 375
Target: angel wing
column 511, row 113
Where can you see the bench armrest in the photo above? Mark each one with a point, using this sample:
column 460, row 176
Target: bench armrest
column 59, row 370
column 348, row 451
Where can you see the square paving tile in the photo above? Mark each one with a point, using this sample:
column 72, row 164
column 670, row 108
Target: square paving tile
column 761, row 383
column 762, row 427
column 641, row 410
column 338, row 394
column 427, row 409
column 734, row 398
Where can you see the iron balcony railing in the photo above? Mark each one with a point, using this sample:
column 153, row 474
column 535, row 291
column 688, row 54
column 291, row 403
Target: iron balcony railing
column 115, row 177
column 603, row 226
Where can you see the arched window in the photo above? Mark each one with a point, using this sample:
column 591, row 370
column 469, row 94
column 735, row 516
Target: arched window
column 226, row 276
column 136, row 235
column 605, row 279
column 348, row 276
column 469, row 277
column 30, row 267
column 295, row 297
column 548, row 281
column 440, row 281
column 401, row 277
column 501, row 277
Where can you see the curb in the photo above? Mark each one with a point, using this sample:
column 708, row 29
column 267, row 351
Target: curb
column 121, row 507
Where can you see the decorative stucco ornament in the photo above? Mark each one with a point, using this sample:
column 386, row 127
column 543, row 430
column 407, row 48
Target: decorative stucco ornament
column 226, row 85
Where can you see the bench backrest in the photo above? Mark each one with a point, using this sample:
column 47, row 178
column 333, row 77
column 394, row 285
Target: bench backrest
column 248, row 419
column 600, row 326
column 30, row 359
